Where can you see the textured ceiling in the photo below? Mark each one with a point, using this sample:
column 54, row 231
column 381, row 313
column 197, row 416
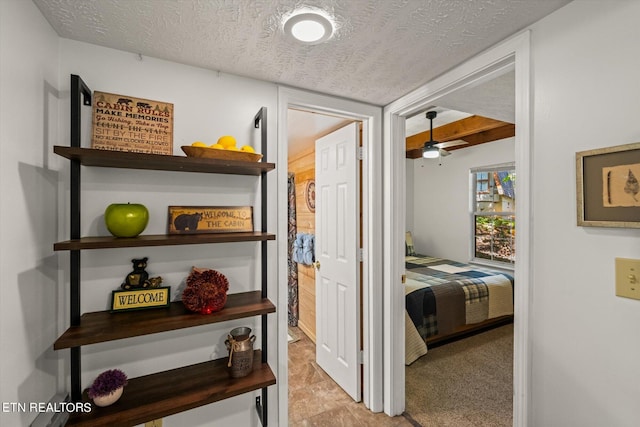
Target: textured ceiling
column 494, row 99
column 381, row 49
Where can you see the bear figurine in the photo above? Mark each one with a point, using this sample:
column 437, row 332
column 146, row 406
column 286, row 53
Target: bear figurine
column 138, row 278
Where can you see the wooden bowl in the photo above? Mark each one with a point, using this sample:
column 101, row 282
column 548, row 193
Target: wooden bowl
column 214, row 153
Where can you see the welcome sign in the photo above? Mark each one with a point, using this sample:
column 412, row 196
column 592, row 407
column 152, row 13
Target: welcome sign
column 140, row 298
column 209, row 219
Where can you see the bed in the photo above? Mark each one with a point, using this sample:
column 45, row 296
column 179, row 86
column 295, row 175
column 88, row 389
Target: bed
column 446, row 298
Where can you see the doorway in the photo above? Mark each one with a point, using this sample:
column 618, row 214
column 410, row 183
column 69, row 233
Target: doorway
column 447, row 383
column 512, row 53
column 304, row 128
column 323, row 239
column 370, row 116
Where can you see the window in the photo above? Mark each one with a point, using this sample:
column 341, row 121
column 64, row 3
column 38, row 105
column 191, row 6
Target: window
column 482, row 182
column 493, row 213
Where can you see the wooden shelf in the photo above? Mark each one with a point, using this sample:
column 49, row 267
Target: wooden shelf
column 104, row 242
column 165, row 393
column 101, row 326
column 125, row 160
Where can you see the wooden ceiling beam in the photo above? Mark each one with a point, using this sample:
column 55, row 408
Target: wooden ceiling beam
column 414, row 154
column 507, row 130
column 455, row 130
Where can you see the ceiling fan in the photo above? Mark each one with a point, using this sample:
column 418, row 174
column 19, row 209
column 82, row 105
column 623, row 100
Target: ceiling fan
column 431, row 150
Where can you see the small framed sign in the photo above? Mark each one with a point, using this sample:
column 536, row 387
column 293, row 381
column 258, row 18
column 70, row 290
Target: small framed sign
column 125, row 123
column 209, row 219
column 137, row 299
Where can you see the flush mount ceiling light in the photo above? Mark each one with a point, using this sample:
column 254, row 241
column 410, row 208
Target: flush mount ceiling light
column 309, row 28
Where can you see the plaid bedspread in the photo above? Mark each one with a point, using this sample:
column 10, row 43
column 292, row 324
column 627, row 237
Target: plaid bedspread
column 442, row 295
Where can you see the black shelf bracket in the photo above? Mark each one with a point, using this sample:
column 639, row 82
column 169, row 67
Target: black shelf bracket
column 261, row 407
column 260, row 122
column 80, row 95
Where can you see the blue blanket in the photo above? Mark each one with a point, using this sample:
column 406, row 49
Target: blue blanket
column 303, row 249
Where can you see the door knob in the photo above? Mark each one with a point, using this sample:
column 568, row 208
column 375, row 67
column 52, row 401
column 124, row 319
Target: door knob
column 317, row 265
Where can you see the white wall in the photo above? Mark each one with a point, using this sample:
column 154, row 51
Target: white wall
column 206, row 106
column 586, row 341
column 28, row 183
column 440, row 198
column 34, row 117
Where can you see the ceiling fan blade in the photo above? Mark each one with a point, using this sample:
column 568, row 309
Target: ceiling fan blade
column 444, row 153
column 454, row 143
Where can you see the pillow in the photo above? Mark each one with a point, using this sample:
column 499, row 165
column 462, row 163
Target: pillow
column 410, row 250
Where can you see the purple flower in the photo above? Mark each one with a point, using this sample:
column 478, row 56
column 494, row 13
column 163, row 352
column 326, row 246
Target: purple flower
column 107, row 382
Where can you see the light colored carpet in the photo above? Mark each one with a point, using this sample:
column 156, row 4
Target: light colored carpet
column 464, row 383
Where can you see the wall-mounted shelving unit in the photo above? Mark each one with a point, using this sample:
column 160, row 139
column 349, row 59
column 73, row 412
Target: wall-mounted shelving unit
column 157, row 395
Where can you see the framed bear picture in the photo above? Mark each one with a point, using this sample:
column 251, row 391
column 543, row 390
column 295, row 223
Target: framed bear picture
column 209, row 219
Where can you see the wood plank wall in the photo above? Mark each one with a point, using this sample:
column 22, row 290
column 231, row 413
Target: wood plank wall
column 303, row 166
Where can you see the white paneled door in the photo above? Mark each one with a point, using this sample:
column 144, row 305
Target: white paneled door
column 337, row 264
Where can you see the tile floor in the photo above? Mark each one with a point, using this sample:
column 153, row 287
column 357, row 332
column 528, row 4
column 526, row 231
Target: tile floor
column 315, row 400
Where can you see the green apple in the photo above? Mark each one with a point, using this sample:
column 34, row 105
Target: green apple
column 126, row 219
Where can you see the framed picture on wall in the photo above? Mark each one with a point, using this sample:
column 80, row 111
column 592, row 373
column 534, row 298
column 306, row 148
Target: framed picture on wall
column 608, row 186
column 310, row 195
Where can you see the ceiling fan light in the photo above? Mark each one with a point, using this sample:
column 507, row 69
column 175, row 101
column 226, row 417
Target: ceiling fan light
column 432, row 152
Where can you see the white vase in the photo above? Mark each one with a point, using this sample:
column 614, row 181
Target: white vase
column 109, row 398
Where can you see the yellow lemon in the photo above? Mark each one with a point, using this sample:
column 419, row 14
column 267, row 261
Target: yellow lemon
column 247, row 148
column 216, row 146
column 227, row 141
column 232, row 148
column 198, row 144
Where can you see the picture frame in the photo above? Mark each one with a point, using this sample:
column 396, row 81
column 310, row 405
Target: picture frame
column 607, row 186
column 209, row 219
column 310, row 195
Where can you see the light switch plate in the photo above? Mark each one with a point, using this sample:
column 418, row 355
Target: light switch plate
column 628, row 278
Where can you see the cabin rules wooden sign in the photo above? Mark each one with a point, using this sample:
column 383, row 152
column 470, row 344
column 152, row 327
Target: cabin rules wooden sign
column 125, row 123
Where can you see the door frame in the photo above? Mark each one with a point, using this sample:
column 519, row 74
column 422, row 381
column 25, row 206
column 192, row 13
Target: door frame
column 514, row 52
column 371, row 184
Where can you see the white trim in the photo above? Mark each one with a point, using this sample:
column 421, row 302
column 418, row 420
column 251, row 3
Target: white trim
column 394, row 232
column 523, row 294
column 371, row 118
column 493, row 265
column 512, row 53
column 490, row 168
